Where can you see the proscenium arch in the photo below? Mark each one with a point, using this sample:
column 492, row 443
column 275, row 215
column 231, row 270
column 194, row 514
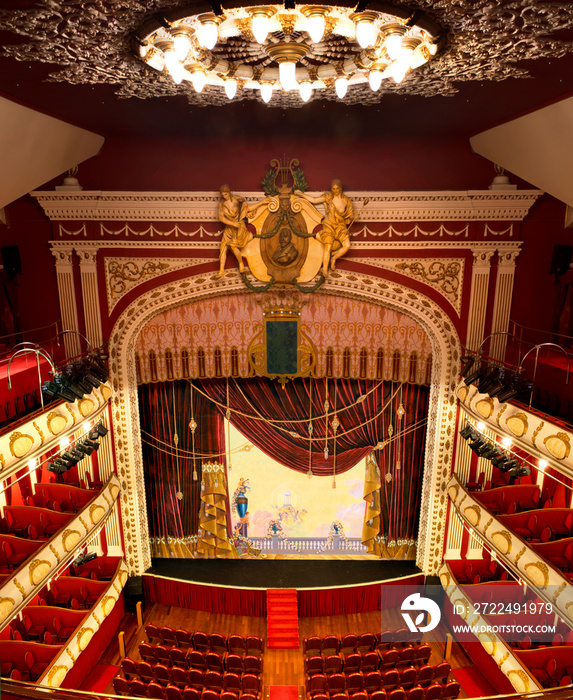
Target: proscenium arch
column 441, row 411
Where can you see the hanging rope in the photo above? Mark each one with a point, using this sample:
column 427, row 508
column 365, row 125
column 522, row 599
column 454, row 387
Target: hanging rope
column 176, row 443
column 192, row 428
column 310, row 431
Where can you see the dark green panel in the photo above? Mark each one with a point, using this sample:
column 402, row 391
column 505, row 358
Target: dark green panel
column 282, row 343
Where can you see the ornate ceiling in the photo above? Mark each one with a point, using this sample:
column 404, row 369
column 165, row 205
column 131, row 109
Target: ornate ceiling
column 89, row 43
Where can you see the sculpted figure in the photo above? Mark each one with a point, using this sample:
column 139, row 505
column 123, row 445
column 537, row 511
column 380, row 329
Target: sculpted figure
column 233, row 212
column 335, row 224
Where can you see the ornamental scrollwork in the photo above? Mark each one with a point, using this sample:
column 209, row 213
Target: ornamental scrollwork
column 90, row 44
column 445, row 274
column 120, row 273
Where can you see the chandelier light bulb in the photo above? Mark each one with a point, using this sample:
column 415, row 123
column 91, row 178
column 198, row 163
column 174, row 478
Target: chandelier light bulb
column 365, row 33
column 260, row 26
column 198, row 79
column 399, row 70
column 393, row 41
column 266, row 92
column 181, row 45
column 433, row 49
column 174, row 66
column 207, row 35
column 315, row 27
column 287, row 73
column 305, row 91
column 341, row 86
column 231, row 88
column 375, row 79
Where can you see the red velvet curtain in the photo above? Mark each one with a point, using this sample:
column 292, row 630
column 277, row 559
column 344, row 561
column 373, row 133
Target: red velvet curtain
column 165, row 408
column 254, row 401
column 401, row 464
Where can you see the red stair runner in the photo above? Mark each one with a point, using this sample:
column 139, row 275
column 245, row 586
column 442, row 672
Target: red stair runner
column 282, row 619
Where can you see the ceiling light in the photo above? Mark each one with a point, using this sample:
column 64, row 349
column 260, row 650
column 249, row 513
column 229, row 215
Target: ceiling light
column 314, row 42
column 260, row 22
column 181, row 42
column 481, row 426
column 231, row 88
column 207, row 34
column 506, row 442
column 198, row 80
column 393, row 42
column 316, row 22
column 266, row 92
column 341, row 86
column 305, row 91
column 375, row 79
column 366, row 32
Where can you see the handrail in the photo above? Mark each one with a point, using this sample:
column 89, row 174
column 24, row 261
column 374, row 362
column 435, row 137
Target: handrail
column 37, row 352
column 536, row 348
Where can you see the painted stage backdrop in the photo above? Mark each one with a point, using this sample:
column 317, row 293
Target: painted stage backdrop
column 281, row 511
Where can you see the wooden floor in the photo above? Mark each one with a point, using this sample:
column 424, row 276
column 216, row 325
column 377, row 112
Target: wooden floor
column 281, row 666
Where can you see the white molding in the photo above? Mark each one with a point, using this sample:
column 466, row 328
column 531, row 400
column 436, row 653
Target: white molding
column 466, row 205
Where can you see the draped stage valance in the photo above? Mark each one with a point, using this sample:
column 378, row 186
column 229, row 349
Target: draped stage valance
column 353, row 339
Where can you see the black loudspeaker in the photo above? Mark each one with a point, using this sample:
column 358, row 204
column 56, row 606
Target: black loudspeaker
column 11, row 259
column 134, row 593
column 560, row 261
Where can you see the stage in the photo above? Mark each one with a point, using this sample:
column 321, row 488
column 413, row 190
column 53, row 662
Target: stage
column 289, row 573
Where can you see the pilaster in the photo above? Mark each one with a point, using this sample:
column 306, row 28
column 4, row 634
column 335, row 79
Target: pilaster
column 67, row 297
column 478, row 297
column 502, row 302
column 90, row 295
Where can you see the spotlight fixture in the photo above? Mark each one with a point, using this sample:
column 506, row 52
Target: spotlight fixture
column 500, row 461
column 467, row 363
column 521, row 470
column 493, row 381
column 490, row 451
column 336, row 48
column 468, row 431
column 99, row 430
column 84, row 558
column 77, row 378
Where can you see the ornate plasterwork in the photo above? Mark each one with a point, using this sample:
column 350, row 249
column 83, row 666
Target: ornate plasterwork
column 475, row 205
column 441, row 415
column 549, row 583
column 536, row 435
column 91, row 45
column 124, row 274
column 445, row 275
column 521, row 679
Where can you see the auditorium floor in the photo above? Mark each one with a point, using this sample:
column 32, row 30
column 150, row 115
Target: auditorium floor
column 281, row 666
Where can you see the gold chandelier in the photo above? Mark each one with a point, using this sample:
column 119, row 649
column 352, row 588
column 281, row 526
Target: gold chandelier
column 305, row 50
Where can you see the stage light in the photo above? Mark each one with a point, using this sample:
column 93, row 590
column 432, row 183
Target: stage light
column 519, row 471
column 506, row 442
column 476, row 444
column 99, row 430
column 491, row 451
column 481, row 427
column 471, row 378
column 468, row 431
column 84, row 558
column 542, row 465
column 498, row 461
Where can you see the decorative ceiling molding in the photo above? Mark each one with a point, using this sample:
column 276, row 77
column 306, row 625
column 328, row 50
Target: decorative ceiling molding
column 445, row 275
column 485, row 41
column 471, row 205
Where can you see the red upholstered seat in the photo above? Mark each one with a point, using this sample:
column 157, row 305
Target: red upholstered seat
column 172, row 692
column 209, row 694
column 425, row 675
column 332, row 664
column 388, row 659
column 218, row 642
column 237, row 644
column 228, row 695
column 330, row 645
column 178, row 676
column 147, row 652
column 179, row 657
column 352, row 663
column 200, row 641
column 416, row 693
column 129, row 668
column 234, row 663
column 214, row 661
column 408, row 677
column 372, row 681
column 153, row 634
column 121, row 686
column 251, row 683
column 348, row 644
column 190, row 693
column 183, row 638
column 433, row 692
column 196, row 659
column 162, row 655
column 336, row 683
column 162, row 674
column 168, row 638
column 196, row 677
column 255, row 645
column 451, row 690
column 366, row 642
column 312, row 645
column 253, row 664
column 406, row 656
column 422, row 653
column 354, row 683
column 155, row 691
column 317, row 684
column 232, row 682
column 370, row 661
column 397, row 694
column 379, row 695
column 361, row 695
column 442, row 671
column 385, row 639
column 390, row 679
column 145, row 671
column 214, row 680
column 138, row 688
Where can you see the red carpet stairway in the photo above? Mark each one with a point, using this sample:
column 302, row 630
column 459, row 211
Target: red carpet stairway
column 282, row 619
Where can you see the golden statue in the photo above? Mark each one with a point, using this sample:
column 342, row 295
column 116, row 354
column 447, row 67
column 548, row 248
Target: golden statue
column 233, row 212
column 339, row 216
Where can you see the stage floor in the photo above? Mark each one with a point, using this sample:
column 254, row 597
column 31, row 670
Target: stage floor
column 287, row 573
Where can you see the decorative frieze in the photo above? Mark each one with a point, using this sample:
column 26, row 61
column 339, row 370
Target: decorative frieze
column 478, row 205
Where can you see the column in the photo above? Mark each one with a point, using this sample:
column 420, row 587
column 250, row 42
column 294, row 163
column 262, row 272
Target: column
column 67, row 296
column 461, row 470
column 90, row 295
column 502, row 302
column 478, row 297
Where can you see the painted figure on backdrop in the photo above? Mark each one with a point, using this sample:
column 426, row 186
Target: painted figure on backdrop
column 339, row 216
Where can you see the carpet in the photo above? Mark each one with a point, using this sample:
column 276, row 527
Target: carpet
column 99, row 678
column 282, row 619
column 283, row 692
column 473, row 683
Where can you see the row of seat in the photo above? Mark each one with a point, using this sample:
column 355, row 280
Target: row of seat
column 449, row 691
column 202, row 641
column 363, row 642
column 203, row 660
column 140, row 689
column 370, row 661
column 378, row 680
column 213, row 680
